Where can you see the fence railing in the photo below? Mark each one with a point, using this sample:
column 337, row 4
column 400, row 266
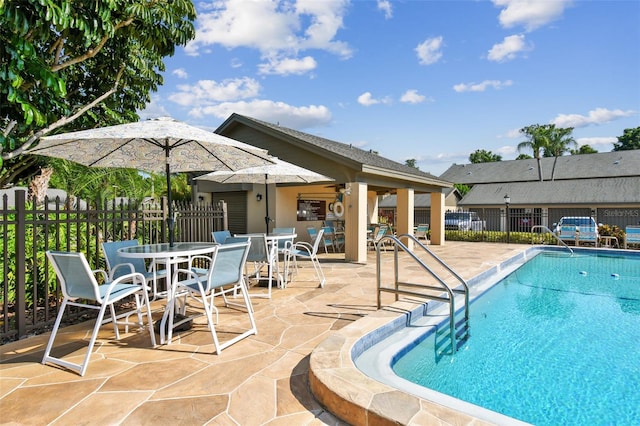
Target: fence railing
column 29, row 297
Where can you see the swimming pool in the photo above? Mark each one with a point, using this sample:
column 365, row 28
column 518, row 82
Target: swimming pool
column 544, row 349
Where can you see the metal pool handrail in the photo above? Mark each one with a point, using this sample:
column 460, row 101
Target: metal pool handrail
column 544, row 228
column 443, row 285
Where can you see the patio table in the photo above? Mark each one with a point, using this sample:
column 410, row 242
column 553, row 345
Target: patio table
column 172, row 256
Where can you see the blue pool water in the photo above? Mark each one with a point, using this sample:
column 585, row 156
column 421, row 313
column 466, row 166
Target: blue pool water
column 555, row 342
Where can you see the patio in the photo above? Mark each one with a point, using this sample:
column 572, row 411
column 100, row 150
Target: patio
column 262, row 379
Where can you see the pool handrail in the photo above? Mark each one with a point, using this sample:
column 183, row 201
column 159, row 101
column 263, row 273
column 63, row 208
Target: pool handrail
column 444, row 286
column 544, row 228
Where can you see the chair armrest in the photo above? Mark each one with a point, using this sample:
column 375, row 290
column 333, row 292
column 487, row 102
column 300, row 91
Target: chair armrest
column 132, row 269
column 135, row 278
column 103, row 273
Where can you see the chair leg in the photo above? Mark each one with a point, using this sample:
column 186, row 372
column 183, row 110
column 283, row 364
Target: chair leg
column 54, row 332
column 319, row 273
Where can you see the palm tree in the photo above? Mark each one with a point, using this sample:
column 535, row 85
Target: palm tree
column 560, row 142
column 537, row 141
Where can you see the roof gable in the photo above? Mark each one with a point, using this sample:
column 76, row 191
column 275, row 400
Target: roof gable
column 362, row 160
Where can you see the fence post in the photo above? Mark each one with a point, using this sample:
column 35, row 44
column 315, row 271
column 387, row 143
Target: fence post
column 21, row 216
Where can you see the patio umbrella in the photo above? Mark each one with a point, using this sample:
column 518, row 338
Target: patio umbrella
column 279, row 172
column 159, row 145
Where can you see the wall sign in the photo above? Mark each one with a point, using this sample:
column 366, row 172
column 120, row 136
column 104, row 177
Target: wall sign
column 311, row 210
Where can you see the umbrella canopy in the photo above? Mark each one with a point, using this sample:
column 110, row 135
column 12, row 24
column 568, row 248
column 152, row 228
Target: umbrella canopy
column 159, row 145
column 279, row 172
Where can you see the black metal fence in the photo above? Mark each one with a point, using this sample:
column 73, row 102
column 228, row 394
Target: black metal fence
column 30, row 296
column 508, row 224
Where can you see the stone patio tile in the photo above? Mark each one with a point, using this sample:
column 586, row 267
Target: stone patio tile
column 154, row 375
column 256, row 392
column 103, row 408
column 181, row 411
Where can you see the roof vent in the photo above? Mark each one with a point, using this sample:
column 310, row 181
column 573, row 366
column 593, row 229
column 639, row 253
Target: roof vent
column 530, row 168
column 617, row 161
column 469, row 172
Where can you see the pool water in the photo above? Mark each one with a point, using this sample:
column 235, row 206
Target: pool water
column 555, row 342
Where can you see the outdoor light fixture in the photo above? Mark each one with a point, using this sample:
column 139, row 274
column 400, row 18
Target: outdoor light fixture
column 258, row 197
column 507, row 199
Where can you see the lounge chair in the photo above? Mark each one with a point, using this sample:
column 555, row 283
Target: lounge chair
column 632, row 235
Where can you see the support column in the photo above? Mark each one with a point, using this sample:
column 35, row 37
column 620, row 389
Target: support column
column 355, row 222
column 405, row 209
column 437, row 218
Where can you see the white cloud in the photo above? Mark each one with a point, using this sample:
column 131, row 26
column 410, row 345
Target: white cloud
column 506, row 151
column 429, row 51
column 412, row 96
column 288, row 66
column 367, row 99
column 596, row 116
column 271, row 26
column 508, row 49
column 210, row 91
column 530, row 14
column 385, row 6
column 598, row 143
column 481, row 87
column 180, row 73
column 273, row 112
column 154, row 109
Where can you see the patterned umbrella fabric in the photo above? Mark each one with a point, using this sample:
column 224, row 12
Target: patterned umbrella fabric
column 279, row 172
column 159, row 145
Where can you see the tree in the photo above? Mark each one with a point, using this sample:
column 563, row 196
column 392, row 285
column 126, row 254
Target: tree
column 462, row 188
column 482, row 156
column 411, row 162
column 560, row 141
column 549, row 140
column 584, row 149
column 629, row 140
column 523, row 157
column 67, row 65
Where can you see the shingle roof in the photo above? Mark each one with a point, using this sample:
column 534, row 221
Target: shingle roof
column 419, row 200
column 347, row 152
column 585, row 166
column 619, row 190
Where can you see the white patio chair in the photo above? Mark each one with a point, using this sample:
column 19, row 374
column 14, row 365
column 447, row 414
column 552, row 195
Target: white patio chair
column 226, row 270
column 262, row 254
column 118, row 266
column 78, row 282
column 305, row 250
column 220, row 236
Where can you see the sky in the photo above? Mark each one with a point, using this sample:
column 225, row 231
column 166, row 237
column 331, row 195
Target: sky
column 432, row 81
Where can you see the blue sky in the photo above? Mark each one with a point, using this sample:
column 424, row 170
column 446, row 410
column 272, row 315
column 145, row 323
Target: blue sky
column 428, row 80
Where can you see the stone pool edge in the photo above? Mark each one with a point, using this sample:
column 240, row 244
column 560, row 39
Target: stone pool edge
column 353, row 396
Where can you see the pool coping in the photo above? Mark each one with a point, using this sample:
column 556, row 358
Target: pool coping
column 353, row 396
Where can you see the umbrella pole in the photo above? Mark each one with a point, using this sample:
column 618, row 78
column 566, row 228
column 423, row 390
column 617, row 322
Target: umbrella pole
column 170, row 220
column 266, row 204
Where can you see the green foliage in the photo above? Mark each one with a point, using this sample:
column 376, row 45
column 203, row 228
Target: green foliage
column 483, row 156
column 54, row 235
column 628, row 141
column 524, row 157
column 613, row 231
column 411, row 162
column 59, row 56
column 584, row 149
column 462, row 188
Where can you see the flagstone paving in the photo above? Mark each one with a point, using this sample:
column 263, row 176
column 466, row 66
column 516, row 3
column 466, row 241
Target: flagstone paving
column 260, row 380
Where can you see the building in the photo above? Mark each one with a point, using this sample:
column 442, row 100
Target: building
column 360, row 177
column 605, row 186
